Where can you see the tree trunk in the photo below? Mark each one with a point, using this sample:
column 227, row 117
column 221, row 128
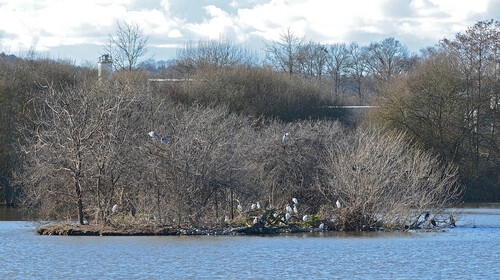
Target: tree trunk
column 80, row 211
column 79, row 202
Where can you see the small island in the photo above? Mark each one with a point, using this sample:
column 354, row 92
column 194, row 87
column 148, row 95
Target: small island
column 265, row 222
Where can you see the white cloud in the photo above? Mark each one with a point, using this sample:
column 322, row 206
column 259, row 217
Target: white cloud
column 326, row 19
column 55, row 23
column 165, row 4
column 175, row 33
column 461, row 9
column 334, row 21
column 219, row 23
column 58, row 22
column 234, row 4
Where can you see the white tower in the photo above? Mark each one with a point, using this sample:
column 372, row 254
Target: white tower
column 105, row 67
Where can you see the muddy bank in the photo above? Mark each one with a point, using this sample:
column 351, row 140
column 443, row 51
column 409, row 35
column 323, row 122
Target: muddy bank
column 100, row 230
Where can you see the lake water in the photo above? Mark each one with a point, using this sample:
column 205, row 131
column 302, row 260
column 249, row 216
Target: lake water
column 469, row 251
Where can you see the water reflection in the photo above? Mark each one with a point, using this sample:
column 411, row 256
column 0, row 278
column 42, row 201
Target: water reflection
column 10, row 214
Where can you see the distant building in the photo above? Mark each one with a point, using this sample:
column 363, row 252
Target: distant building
column 105, row 67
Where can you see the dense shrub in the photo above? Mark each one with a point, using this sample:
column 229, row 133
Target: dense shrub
column 256, row 92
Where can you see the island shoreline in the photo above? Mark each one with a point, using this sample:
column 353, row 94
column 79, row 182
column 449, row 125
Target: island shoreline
column 66, row 229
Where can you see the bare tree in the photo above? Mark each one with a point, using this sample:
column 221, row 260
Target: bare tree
column 387, row 59
column 476, row 54
column 283, row 54
column 64, row 125
column 312, row 59
column 337, row 62
column 127, row 45
column 358, row 68
column 478, row 51
column 75, row 148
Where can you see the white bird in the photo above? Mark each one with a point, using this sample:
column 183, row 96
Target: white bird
column 295, row 200
column 240, row 208
column 258, row 205
column 114, row 208
column 164, row 140
column 226, row 219
column 338, row 204
column 285, row 138
column 305, row 218
column 153, row 134
column 287, row 216
column 255, row 220
column 322, row 226
column 288, row 208
column 275, row 215
column 295, row 209
column 253, row 206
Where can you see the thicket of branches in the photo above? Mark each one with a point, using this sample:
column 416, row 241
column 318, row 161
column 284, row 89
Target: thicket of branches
column 19, row 77
column 87, row 149
column 383, row 181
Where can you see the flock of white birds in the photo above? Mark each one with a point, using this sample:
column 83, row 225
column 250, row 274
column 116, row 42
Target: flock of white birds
column 288, row 210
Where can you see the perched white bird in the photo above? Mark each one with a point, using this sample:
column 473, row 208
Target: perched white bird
column 226, row 219
column 153, row 134
column 295, row 209
column 258, row 205
column 305, row 218
column 285, row 138
column 295, row 200
column 114, row 208
column 322, row 226
column 255, row 220
column 287, row 216
column 275, row 215
column 288, row 208
column 338, row 204
column 240, row 208
column 253, row 206
column 165, row 140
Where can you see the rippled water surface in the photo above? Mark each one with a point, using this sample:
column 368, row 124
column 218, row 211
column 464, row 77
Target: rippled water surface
column 470, row 251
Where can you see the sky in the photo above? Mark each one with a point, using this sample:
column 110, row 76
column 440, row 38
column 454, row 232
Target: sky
column 78, row 29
